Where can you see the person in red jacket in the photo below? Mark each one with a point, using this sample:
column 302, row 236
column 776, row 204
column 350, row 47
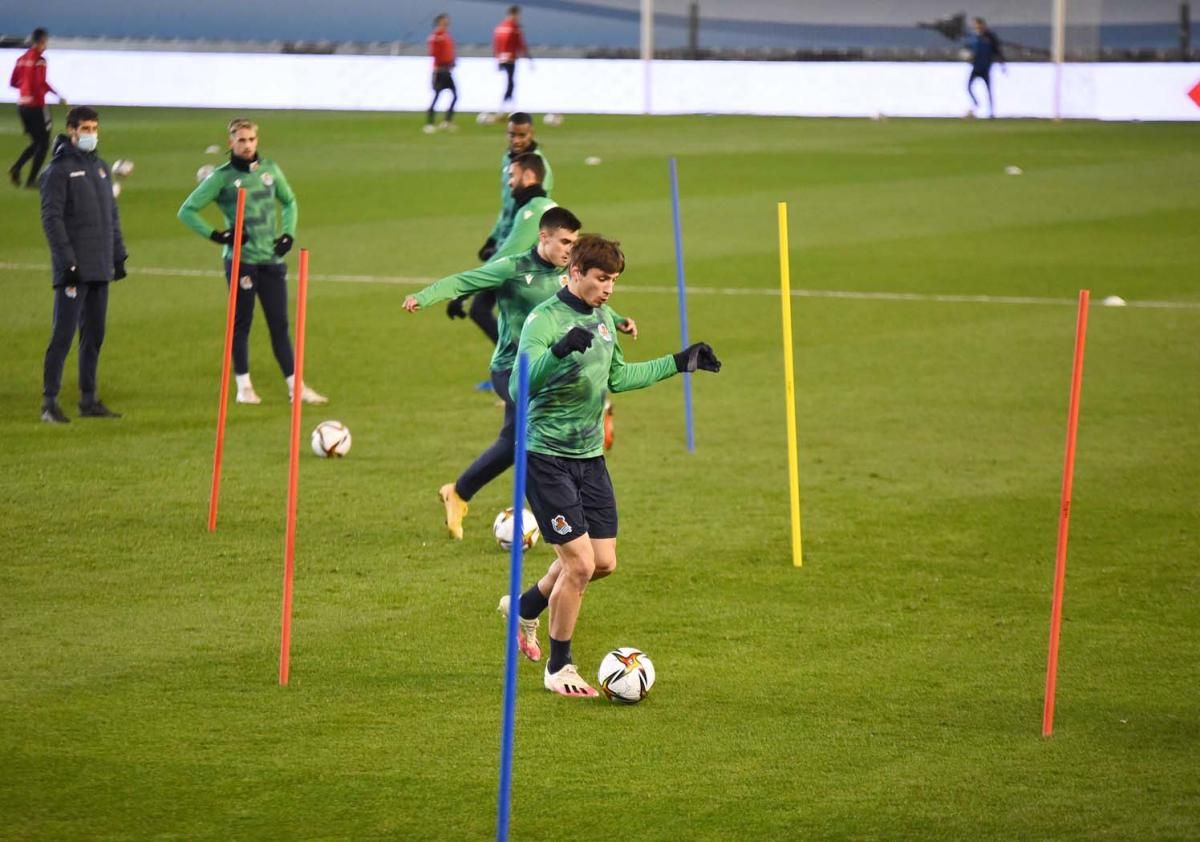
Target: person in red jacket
column 441, row 48
column 29, row 77
column 508, row 44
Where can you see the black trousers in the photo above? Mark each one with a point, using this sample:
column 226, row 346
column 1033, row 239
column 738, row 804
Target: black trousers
column 84, row 306
column 986, row 75
column 499, row 457
column 442, row 81
column 267, row 282
column 481, row 313
column 510, row 68
column 36, row 123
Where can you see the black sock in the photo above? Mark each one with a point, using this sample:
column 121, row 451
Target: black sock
column 560, row 655
column 532, row 604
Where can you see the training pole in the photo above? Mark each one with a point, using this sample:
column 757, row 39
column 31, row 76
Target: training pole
column 289, row 549
column 683, row 323
column 1064, row 515
column 227, row 360
column 503, row 809
column 789, row 379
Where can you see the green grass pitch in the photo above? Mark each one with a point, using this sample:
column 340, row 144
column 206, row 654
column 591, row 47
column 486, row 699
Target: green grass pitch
column 891, row 688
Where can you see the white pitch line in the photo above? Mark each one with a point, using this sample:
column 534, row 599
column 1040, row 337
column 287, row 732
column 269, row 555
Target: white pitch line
column 850, row 295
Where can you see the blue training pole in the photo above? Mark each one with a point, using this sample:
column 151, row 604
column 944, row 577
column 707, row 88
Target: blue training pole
column 514, row 600
column 683, row 327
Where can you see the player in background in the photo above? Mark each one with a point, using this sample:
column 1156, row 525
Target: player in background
column 262, row 272
column 985, row 51
column 520, row 142
column 29, row 78
column 519, row 281
column 83, row 229
column 575, row 360
column 441, row 48
column 508, row 45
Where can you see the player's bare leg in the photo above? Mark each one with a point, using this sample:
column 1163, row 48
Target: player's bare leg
column 577, row 562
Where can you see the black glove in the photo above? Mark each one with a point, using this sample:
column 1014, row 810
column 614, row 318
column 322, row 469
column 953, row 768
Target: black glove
column 72, row 277
column 489, row 248
column 222, row 238
column 577, row 339
column 455, row 309
column 698, row 356
column 119, row 270
column 283, row 245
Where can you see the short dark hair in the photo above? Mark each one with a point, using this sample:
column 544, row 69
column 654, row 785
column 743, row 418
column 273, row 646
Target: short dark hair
column 39, row 34
column 981, row 22
column 521, row 118
column 592, row 251
column 532, row 162
column 79, row 114
column 439, row 18
column 514, row 10
column 556, row 218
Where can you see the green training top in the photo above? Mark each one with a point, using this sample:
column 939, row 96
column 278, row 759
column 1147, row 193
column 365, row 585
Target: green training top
column 566, row 397
column 521, row 283
column 525, row 225
column 508, row 205
column 265, row 184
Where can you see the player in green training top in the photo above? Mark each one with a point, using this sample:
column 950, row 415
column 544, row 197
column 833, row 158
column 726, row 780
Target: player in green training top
column 262, row 271
column 520, row 283
column 574, row 361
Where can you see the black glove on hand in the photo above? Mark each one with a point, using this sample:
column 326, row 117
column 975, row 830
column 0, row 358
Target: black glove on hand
column 71, row 276
column 577, row 339
column 283, row 245
column 697, row 356
column 489, row 249
column 455, row 309
column 119, row 270
column 222, row 238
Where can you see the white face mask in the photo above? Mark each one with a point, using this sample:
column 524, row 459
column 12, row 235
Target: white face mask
column 87, row 142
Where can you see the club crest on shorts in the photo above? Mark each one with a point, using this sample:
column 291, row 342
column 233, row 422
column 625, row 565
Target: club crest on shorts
column 103, row 174
column 560, row 525
column 245, row 282
column 70, row 292
column 604, row 332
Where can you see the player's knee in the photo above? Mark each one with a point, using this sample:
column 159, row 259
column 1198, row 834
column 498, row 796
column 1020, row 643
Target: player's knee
column 605, row 566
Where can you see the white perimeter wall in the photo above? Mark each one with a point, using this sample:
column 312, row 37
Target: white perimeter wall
column 383, row 83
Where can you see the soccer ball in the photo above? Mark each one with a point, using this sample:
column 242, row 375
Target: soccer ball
column 626, row 675
column 552, row 119
column 122, row 167
column 331, row 439
column 502, row 528
column 485, row 118
column 204, row 172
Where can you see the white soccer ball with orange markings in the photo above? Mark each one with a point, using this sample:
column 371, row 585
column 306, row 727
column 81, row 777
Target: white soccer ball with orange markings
column 331, row 440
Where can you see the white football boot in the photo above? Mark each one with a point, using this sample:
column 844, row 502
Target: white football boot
column 567, row 682
column 526, row 632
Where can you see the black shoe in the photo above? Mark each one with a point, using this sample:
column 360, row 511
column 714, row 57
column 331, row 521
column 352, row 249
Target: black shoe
column 14, row 175
column 53, row 414
column 96, row 409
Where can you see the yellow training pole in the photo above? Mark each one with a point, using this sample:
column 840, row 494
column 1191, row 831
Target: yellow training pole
column 789, row 377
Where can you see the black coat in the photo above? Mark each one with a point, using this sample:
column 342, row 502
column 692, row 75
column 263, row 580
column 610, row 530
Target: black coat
column 79, row 215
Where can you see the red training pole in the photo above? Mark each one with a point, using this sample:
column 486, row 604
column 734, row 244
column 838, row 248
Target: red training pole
column 1064, row 516
column 289, row 552
column 226, row 360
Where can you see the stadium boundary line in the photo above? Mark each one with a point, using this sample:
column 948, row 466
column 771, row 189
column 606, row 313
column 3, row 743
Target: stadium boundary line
column 850, row 295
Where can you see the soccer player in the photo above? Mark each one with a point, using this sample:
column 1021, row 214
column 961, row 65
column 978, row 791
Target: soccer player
column 29, row 77
column 520, row 282
column 79, row 215
column 574, row 361
column 508, row 45
column 985, row 51
column 441, row 48
column 262, row 272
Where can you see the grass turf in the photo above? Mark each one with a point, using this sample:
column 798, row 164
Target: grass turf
column 890, row 688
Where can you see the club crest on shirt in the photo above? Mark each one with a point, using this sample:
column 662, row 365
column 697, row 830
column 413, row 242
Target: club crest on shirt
column 562, row 280
column 560, row 525
column 245, row 282
column 528, row 214
column 604, row 332
column 528, row 278
column 237, row 182
column 267, row 180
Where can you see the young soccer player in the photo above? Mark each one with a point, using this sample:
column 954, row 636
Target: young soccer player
column 574, row 361
column 441, row 48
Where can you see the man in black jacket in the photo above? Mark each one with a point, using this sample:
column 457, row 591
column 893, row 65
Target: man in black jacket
column 79, row 215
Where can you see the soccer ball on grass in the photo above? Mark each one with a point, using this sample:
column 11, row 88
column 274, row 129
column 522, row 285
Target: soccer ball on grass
column 331, row 439
column 626, row 675
column 502, row 528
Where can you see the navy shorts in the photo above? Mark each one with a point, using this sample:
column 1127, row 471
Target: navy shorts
column 571, row 497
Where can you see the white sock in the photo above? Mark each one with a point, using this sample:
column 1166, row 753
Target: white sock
column 243, row 381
